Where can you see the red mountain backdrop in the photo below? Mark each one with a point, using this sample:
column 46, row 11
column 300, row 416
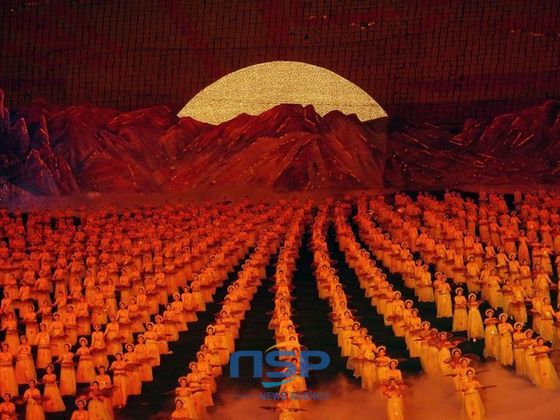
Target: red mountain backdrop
column 51, row 150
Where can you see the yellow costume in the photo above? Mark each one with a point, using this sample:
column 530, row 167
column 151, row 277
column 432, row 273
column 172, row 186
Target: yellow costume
column 474, row 409
column 53, row 401
column 34, row 408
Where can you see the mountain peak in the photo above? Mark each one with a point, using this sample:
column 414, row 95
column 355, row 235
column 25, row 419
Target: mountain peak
column 51, row 150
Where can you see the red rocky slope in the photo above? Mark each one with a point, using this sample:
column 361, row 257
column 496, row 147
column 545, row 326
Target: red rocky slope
column 53, row 150
column 88, row 148
column 511, row 149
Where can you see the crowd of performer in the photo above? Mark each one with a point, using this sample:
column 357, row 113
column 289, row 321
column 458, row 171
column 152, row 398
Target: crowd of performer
column 91, row 299
column 368, row 361
column 194, row 394
column 442, row 250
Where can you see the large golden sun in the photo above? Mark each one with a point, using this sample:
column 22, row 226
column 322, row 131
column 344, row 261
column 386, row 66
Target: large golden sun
column 254, row 89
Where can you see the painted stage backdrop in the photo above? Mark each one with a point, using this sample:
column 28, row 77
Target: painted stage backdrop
column 177, row 96
column 53, row 150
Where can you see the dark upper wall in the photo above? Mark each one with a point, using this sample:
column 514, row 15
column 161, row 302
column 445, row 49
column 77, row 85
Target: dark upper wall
column 421, row 59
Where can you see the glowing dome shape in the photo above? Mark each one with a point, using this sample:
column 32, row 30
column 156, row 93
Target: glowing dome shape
column 254, row 89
